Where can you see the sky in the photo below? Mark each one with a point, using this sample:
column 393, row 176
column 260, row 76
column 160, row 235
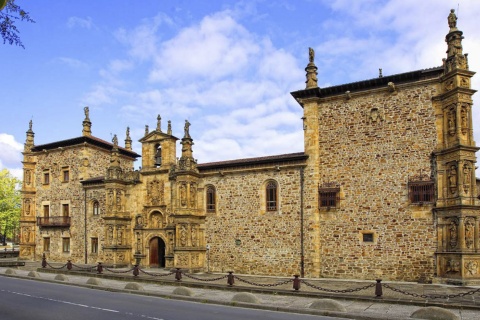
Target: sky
column 226, row 66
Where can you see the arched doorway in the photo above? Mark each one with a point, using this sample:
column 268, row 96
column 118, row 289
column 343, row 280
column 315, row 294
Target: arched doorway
column 157, row 253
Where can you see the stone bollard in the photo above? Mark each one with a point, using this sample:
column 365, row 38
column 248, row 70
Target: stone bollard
column 296, row 282
column 69, row 264
column 99, row 268
column 135, row 270
column 178, row 274
column 44, row 261
column 230, row 278
column 378, row 288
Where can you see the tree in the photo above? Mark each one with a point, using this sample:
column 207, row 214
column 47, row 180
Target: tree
column 10, row 204
column 10, row 14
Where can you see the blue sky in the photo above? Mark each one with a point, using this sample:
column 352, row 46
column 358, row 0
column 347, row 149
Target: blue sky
column 226, row 66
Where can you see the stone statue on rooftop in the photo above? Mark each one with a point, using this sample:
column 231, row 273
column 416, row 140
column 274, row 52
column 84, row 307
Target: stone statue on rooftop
column 87, row 112
column 311, row 55
column 187, row 128
column 452, row 20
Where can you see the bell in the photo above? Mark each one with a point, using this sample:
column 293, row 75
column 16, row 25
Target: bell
column 158, row 157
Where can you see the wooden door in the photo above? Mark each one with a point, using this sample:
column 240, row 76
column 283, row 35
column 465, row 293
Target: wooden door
column 157, row 253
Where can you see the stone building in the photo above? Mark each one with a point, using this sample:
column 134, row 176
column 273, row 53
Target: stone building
column 385, row 187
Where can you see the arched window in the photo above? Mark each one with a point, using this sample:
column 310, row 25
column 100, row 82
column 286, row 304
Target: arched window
column 211, row 197
column 158, row 155
column 271, row 196
column 96, row 208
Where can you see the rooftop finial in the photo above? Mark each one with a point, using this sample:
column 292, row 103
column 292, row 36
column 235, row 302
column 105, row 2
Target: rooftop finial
column 169, row 129
column 146, row 129
column 115, row 140
column 452, row 20
column 87, row 113
column 187, row 129
column 159, row 119
column 311, row 70
column 311, row 55
column 30, row 137
column 128, row 140
column 87, row 125
column 380, row 74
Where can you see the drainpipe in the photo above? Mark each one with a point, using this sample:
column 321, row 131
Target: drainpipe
column 85, row 223
column 302, row 249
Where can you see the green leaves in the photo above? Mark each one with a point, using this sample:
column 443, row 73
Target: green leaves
column 10, row 203
column 8, row 16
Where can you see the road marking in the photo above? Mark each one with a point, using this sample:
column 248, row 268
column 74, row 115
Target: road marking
column 78, row 304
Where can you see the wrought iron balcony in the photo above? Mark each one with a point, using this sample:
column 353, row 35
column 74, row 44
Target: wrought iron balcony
column 53, row 221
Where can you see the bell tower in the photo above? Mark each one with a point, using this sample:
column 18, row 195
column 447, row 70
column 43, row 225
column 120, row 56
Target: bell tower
column 158, row 148
column 457, row 208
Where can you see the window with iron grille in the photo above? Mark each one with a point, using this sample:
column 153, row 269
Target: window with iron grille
column 421, row 191
column 329, row 197
column 271, row 196
column 210, row 199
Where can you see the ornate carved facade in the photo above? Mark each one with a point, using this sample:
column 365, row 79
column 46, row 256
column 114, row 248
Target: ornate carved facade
column 385, row 188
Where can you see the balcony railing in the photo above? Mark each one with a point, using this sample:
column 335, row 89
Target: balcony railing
column 53, row 221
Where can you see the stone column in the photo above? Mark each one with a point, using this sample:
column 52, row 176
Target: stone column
column 444, row 236
column 476, row 241
column 461, row 233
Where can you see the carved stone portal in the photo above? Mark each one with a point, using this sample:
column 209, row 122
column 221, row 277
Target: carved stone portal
column 155, row 192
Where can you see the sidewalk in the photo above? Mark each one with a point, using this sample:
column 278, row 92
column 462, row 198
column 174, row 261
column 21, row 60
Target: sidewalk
column 360, row 304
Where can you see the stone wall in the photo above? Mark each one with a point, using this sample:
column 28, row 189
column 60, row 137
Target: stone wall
column 242, row 235
column 83, row 162
column 370, row 145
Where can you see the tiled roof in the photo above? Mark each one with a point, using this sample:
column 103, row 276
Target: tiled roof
column 370, row 83
column 85, row 139
column 253, row 161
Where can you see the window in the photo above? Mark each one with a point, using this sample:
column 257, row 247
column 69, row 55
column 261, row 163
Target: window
column 66, row 174
column 367, row 237
column 271, row 196
column 421, row 191
column 328, row 197
column 46, row 211
column 65, row 210
column 46, row 244
column 210, row 199
column 96, row 208
column 66, row 244
column 94, row 246
column 46, row 177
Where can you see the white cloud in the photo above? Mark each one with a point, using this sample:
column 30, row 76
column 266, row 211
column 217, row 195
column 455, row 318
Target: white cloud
column 86, row 23
column 10, row 154
column 73, row 63
column 215, row 48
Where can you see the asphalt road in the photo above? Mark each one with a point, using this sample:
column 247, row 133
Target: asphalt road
column 27, row 299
